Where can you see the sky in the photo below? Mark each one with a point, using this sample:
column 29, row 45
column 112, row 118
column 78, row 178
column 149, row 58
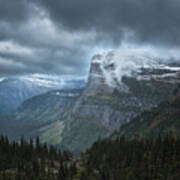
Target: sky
column 61, row 36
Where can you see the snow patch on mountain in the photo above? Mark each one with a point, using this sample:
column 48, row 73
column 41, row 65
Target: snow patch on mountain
column 15, row 90
column 54, row 81
column 65, row 94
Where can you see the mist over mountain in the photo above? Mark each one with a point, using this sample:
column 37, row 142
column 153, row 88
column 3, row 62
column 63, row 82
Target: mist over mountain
column 130, row 62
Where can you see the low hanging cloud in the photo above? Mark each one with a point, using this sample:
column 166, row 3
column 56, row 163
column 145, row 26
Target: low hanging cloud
column 129, row 62
column 59, row 37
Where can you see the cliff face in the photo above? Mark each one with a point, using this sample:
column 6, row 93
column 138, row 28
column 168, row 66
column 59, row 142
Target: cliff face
column 97, row 83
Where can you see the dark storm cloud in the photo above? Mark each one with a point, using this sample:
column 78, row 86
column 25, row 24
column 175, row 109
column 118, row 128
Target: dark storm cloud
column 14, row 11
column 42, row 59
column 30, row 43
column 58, row 36
column 156, row 21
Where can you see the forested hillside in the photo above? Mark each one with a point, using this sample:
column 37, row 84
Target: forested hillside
column 163, row 120
column 133, row 160
column 107, row 159
column 32, row 161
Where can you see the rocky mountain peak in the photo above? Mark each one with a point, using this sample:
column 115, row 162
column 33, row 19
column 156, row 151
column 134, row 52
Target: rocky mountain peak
column 97, row 80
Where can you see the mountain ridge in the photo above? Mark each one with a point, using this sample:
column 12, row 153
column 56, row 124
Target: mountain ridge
column 15, row 90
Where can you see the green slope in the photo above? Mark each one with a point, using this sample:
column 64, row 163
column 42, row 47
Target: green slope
column 163, row 120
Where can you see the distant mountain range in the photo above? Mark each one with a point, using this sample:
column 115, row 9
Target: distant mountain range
column 15, row 90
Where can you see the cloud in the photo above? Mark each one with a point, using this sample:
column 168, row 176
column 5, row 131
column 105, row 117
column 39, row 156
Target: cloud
column 129, row 61
column 13, row 11
column 156, row 21
column 58, row 37
column 41, row 47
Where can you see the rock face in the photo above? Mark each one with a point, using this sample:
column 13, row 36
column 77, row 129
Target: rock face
column 96, row 82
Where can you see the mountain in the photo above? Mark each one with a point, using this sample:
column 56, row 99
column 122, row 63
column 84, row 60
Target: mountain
column 15, row 90
column 111, row 98
column 107, row 103
column 162, row 120
column 114, row 103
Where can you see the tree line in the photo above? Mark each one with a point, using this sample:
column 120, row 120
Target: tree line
column 146, row 159
column 31, row 160
column 107, row 159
